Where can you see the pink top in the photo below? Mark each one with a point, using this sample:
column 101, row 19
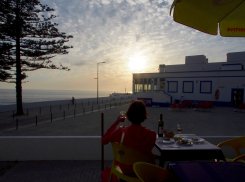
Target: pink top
column 136, row 137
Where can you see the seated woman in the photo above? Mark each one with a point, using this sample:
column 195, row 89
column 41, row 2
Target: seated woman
column 135, row 135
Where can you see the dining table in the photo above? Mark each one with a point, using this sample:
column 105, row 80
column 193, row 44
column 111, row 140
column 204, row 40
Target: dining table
column 196, row 148
column 203, row 171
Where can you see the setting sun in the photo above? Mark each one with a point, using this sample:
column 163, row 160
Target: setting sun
column 137, row 62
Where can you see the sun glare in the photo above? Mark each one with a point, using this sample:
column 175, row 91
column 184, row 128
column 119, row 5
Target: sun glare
column 137, row 63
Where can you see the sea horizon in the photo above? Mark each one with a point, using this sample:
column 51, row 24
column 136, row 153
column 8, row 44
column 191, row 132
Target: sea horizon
column 8, row 96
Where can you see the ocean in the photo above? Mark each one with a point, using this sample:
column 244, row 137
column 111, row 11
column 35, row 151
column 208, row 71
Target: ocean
column 8, row 96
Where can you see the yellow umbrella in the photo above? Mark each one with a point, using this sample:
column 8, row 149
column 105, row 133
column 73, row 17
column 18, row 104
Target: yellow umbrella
column 208, row 15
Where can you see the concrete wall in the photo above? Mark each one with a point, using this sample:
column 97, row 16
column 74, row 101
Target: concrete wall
column 156, row 96
column 22, row 148
column 225, row 87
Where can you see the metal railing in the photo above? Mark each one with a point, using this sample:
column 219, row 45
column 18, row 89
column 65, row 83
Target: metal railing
column 34, row 114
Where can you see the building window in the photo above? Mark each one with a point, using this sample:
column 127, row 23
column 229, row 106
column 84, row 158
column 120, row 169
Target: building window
column 153, row 83
column 140, row 87
column 206, row 87
column 187, row 87
column 162, row 83
column 172, row 86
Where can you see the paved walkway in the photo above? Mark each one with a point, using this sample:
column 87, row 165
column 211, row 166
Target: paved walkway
column 50, row 171
column 215, row 122
column 219, row 121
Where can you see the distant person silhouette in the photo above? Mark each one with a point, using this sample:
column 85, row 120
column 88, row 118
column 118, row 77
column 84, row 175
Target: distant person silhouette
column 73, row 100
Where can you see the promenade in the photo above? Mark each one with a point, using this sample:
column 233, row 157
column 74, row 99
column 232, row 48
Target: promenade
column 217, row 122
column 50, row 171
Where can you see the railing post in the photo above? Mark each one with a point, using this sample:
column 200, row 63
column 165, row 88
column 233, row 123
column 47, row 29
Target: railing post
column 51, row 117
column 102, row 146
column 36, row 120
column 17, row 124
column 13, row 115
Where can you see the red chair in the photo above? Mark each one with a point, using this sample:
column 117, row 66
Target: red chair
column 187, row 103
column 204, row 105
column 242, row 106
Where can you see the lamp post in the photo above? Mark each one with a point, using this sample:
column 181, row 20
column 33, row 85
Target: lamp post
column 98, row 80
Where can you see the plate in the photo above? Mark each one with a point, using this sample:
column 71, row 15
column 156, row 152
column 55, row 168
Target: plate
column 199, row 140
column 185, row 141
column 185, row 135
column 168, row 141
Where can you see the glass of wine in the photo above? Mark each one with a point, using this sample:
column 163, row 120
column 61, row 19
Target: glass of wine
column 123, row 114
column 179, row 129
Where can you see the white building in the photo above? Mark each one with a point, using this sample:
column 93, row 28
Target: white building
column 196, row 80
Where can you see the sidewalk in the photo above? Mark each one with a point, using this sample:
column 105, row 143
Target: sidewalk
column 220, row 121
column 37, row 113
column 214, row 123
column 51, row 171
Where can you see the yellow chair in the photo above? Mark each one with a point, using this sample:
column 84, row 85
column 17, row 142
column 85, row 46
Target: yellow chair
column 126, row 156
column 147, row 172
column 240, row 158
column 236, row 144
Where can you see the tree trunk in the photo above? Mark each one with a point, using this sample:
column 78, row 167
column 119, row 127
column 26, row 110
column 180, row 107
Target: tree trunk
column 19, row 109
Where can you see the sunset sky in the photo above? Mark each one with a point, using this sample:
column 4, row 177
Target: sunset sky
column 130, row 36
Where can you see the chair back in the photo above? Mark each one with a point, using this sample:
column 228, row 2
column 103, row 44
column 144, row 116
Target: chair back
column 240, row 158
column 237, row 144
column 147, row 172
column 126, row 156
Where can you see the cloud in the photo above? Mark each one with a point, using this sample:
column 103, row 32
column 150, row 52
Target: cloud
column 103, row 29
column 112, row 30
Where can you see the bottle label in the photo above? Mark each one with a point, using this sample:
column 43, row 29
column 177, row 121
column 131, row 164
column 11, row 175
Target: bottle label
column 160, row 131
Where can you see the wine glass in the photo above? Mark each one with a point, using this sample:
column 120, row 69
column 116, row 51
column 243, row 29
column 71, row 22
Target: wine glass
column 123, row 115
column 179, row 128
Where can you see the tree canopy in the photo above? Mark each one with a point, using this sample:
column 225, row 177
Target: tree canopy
column 29, row 39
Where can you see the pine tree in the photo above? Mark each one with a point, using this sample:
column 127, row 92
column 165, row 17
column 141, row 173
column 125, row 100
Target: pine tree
column 6, row 61
column 31, row 38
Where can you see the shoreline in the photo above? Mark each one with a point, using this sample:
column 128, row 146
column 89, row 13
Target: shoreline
column 30, row 105
column 11, row 107
column 8, row 96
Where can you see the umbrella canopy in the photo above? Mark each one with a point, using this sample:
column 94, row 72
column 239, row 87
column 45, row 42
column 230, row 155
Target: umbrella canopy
column 210, row 15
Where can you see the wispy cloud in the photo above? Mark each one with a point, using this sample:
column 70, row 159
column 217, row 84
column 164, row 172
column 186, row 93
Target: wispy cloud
column 112, row 30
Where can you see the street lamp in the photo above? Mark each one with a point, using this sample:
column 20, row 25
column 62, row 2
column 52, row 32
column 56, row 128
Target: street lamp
column 98, row 80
